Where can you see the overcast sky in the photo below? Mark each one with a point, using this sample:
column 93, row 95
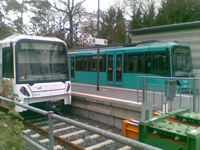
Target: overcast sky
column 92, row 5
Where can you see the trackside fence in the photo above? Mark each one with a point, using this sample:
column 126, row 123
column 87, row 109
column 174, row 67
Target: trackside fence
column 170, row 92
column 51, row 116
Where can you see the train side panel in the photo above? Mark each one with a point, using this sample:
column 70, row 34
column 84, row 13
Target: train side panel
column 124, row 65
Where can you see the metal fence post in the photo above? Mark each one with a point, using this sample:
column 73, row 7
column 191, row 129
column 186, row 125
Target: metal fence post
column 146, row 90
column 198, row 99
column 190, row 95
column 162, row 97
column 154, row 96
column 137, row 89
column 51, row 137
column 143, row 90
column 194, row 95
column 180, row 98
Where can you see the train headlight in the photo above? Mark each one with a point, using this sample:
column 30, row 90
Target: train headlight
column 68, row 87
column 24, row 91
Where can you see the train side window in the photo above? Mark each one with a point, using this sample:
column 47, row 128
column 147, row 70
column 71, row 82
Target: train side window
column 72, row 67
column 102, row 63
column 160, row 63
column 134, row 63
column 93, row 63
column 85, row 62
column 82, row 63
column 79, row 63
column 7, row 63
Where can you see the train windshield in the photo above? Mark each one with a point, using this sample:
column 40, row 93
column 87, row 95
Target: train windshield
column 182, row 62
column 41, row 62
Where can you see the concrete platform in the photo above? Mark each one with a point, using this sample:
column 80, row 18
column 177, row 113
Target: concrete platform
column 109, row 105
column 112, row 105
column 107, row 93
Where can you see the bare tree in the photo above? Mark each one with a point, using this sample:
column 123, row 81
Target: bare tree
column 60, row 18
column 72, row 10
column 88, row 27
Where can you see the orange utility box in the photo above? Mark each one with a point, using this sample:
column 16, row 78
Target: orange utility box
column 130, row 128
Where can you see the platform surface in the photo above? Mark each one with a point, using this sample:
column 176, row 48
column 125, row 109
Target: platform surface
column 106, row 93
column 129, row 96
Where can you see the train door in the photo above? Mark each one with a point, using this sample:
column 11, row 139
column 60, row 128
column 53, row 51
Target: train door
column 115, row 68
column 72, row 67
column 148, row 63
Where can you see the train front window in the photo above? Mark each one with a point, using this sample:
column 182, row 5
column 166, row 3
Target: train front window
column 182, row 63
column 8, row 63
column 41, row 62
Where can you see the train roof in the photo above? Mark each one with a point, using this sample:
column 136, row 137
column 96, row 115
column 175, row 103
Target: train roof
column 131, row 46
column 13, row 38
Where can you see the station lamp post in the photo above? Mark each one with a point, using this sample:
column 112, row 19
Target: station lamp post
column 98, row 51
column 98, row 42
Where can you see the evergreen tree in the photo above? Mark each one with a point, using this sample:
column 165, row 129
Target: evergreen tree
column 6, row 24
column 120, row 27
column 108, row 25
column 143, row 14
column 73, row 12
column 113, row 26
column 42, row 19
column 149, row 16
column 178, row 11
column 136, row 21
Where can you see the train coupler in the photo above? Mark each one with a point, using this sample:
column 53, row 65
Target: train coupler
column 55, row 106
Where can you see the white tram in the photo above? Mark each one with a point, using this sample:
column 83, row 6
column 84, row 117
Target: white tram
column 34, row 69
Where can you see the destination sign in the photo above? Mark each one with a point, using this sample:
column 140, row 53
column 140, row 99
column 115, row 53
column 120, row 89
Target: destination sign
column 41, row 46
column 181, row 50
column 95, row 57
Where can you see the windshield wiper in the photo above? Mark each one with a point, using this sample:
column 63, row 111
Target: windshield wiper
column 34, row 81
column 61, row 78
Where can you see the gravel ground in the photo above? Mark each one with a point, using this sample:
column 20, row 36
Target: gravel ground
column 85, row 144
column 96, row 123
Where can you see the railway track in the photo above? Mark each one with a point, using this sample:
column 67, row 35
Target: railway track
column 57, row 132
column 68, row 136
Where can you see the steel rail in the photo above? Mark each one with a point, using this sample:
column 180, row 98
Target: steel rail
column 110, row 135
column 56, row 138
column 113, row 136
column 46, row 133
